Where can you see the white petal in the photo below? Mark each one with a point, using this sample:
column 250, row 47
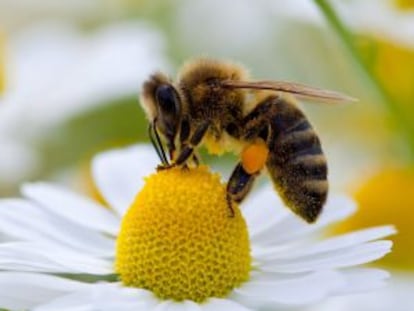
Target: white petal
column 119, row 174
column 78, row 301
column 296, row 291
column 170, row 305
column 351, row 256
column 26, row 290
column 103, row 297
column 28, row 222
column 22, row 256
column 191, row 306
column 74, row 207
column 360, row 280
column 396, row 295
column 292, row 228
column 110, row 297
column 263, row 209
column 217, row 304
column 335, row 243
column 350, row 239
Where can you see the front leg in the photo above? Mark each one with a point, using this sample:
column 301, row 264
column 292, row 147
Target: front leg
column 187, row 148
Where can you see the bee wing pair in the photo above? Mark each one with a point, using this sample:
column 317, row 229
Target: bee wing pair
column 300, row 91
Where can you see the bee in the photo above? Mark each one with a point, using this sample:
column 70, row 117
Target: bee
column 214, row 103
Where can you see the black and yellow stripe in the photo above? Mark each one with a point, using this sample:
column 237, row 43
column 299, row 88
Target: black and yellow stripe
column 296, row 161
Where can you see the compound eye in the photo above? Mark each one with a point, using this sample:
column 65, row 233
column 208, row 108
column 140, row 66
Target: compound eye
column 167, row 99
column 168, row 111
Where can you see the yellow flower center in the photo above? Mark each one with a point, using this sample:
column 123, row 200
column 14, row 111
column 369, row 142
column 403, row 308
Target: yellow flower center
column 180, row 240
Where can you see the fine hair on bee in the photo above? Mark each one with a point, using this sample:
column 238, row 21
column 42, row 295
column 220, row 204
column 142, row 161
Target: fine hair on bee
column 215, row 104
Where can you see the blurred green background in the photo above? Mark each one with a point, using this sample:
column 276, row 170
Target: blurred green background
column 70, row 73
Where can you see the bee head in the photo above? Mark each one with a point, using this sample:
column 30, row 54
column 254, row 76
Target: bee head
column 162, row 104
column 169, row 110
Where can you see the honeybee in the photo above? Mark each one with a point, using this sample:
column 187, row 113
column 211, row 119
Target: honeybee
column 213, row 103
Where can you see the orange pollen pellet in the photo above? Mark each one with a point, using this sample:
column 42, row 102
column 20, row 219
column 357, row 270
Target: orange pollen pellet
column 254, row 157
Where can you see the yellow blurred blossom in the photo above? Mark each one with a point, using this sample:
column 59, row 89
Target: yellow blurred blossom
column 388, row 197
column 2, row 63
column 405, row 4
column 394, row 66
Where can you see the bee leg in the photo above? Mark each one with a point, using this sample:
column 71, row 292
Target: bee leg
column 230, row 205
column 187, row 149
column 162, row 167
column 256, row 131
column 193, row 162
column 196, row 159
column 253, row 159
column 239, row 185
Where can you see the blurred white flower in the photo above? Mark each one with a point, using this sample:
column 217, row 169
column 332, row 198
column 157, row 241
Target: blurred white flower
column 380, row 18
column 54, row 71
column 223, row 27
column 17, row 160
column 22, row 13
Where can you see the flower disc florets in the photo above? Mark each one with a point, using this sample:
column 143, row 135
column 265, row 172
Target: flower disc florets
column 180, row 240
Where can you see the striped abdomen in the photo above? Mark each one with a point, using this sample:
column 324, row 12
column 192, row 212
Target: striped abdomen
column 296, row 161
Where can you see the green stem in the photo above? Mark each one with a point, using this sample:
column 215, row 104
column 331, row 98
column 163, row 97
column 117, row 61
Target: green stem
column 405, row 125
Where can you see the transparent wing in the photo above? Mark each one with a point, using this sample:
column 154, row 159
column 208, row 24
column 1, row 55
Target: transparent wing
column 300, row 91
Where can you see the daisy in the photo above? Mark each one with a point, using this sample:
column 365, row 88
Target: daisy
column 173, row 246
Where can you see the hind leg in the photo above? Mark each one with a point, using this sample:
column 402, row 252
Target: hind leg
column 256, row 131
column 238, row 186
column 240, row 183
